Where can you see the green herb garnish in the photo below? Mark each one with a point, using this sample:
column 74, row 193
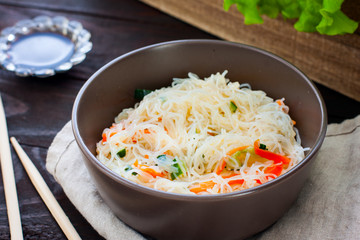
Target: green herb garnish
column 122, row 153
column 162, row 157
column 134, row 173
column 177, row 173
column 262, row 146
column 233, row 107
column 141, row 93
column 175, row 165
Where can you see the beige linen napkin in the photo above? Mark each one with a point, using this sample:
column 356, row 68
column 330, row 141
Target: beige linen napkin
column 328, row 207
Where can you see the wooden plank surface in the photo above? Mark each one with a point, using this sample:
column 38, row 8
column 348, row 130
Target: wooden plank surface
column 333, row 61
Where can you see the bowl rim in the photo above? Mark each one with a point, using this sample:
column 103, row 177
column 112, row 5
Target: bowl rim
column 208, row 197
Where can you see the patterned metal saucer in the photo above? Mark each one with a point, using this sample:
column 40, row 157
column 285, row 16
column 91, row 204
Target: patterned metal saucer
column 43, row 46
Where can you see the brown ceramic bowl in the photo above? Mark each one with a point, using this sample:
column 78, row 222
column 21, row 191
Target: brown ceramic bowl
column 164, row 215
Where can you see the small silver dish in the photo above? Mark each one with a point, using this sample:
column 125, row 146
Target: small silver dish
column 43, row 46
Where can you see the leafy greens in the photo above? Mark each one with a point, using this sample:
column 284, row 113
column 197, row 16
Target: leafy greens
column 323, row 16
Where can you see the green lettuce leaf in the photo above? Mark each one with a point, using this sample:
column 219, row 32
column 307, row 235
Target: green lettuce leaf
column 334, row 21
column 248, row 8
column 289, row 8
column 322, row 16
column 269, row 8
column 310, row 15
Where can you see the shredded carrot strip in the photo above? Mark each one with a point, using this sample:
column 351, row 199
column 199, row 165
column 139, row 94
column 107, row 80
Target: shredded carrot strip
column 152, row 172
column 222, row 163
column 146, row 156
column 236, row 181
column 229, row 176
column 104, row 137
column 146, row 131
column 148, row 169
column 201, row 187
column 274, row 169
column 221, row 166
column 204, row 186
column 167, row 152
column 231, row 152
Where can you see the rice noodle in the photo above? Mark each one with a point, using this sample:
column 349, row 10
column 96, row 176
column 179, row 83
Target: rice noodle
column 189, row 127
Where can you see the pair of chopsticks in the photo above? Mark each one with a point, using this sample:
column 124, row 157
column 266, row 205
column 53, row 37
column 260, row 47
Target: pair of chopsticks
column 37, row 180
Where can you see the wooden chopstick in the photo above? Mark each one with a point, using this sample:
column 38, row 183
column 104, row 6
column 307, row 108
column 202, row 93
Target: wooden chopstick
column 7, row 170
column 45, row 193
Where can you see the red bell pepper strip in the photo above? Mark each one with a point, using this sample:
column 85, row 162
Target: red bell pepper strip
column 274, row 169
column 277, row 158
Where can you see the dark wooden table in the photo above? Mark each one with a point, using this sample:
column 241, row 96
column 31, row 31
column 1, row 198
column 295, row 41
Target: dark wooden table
column 37, row 109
